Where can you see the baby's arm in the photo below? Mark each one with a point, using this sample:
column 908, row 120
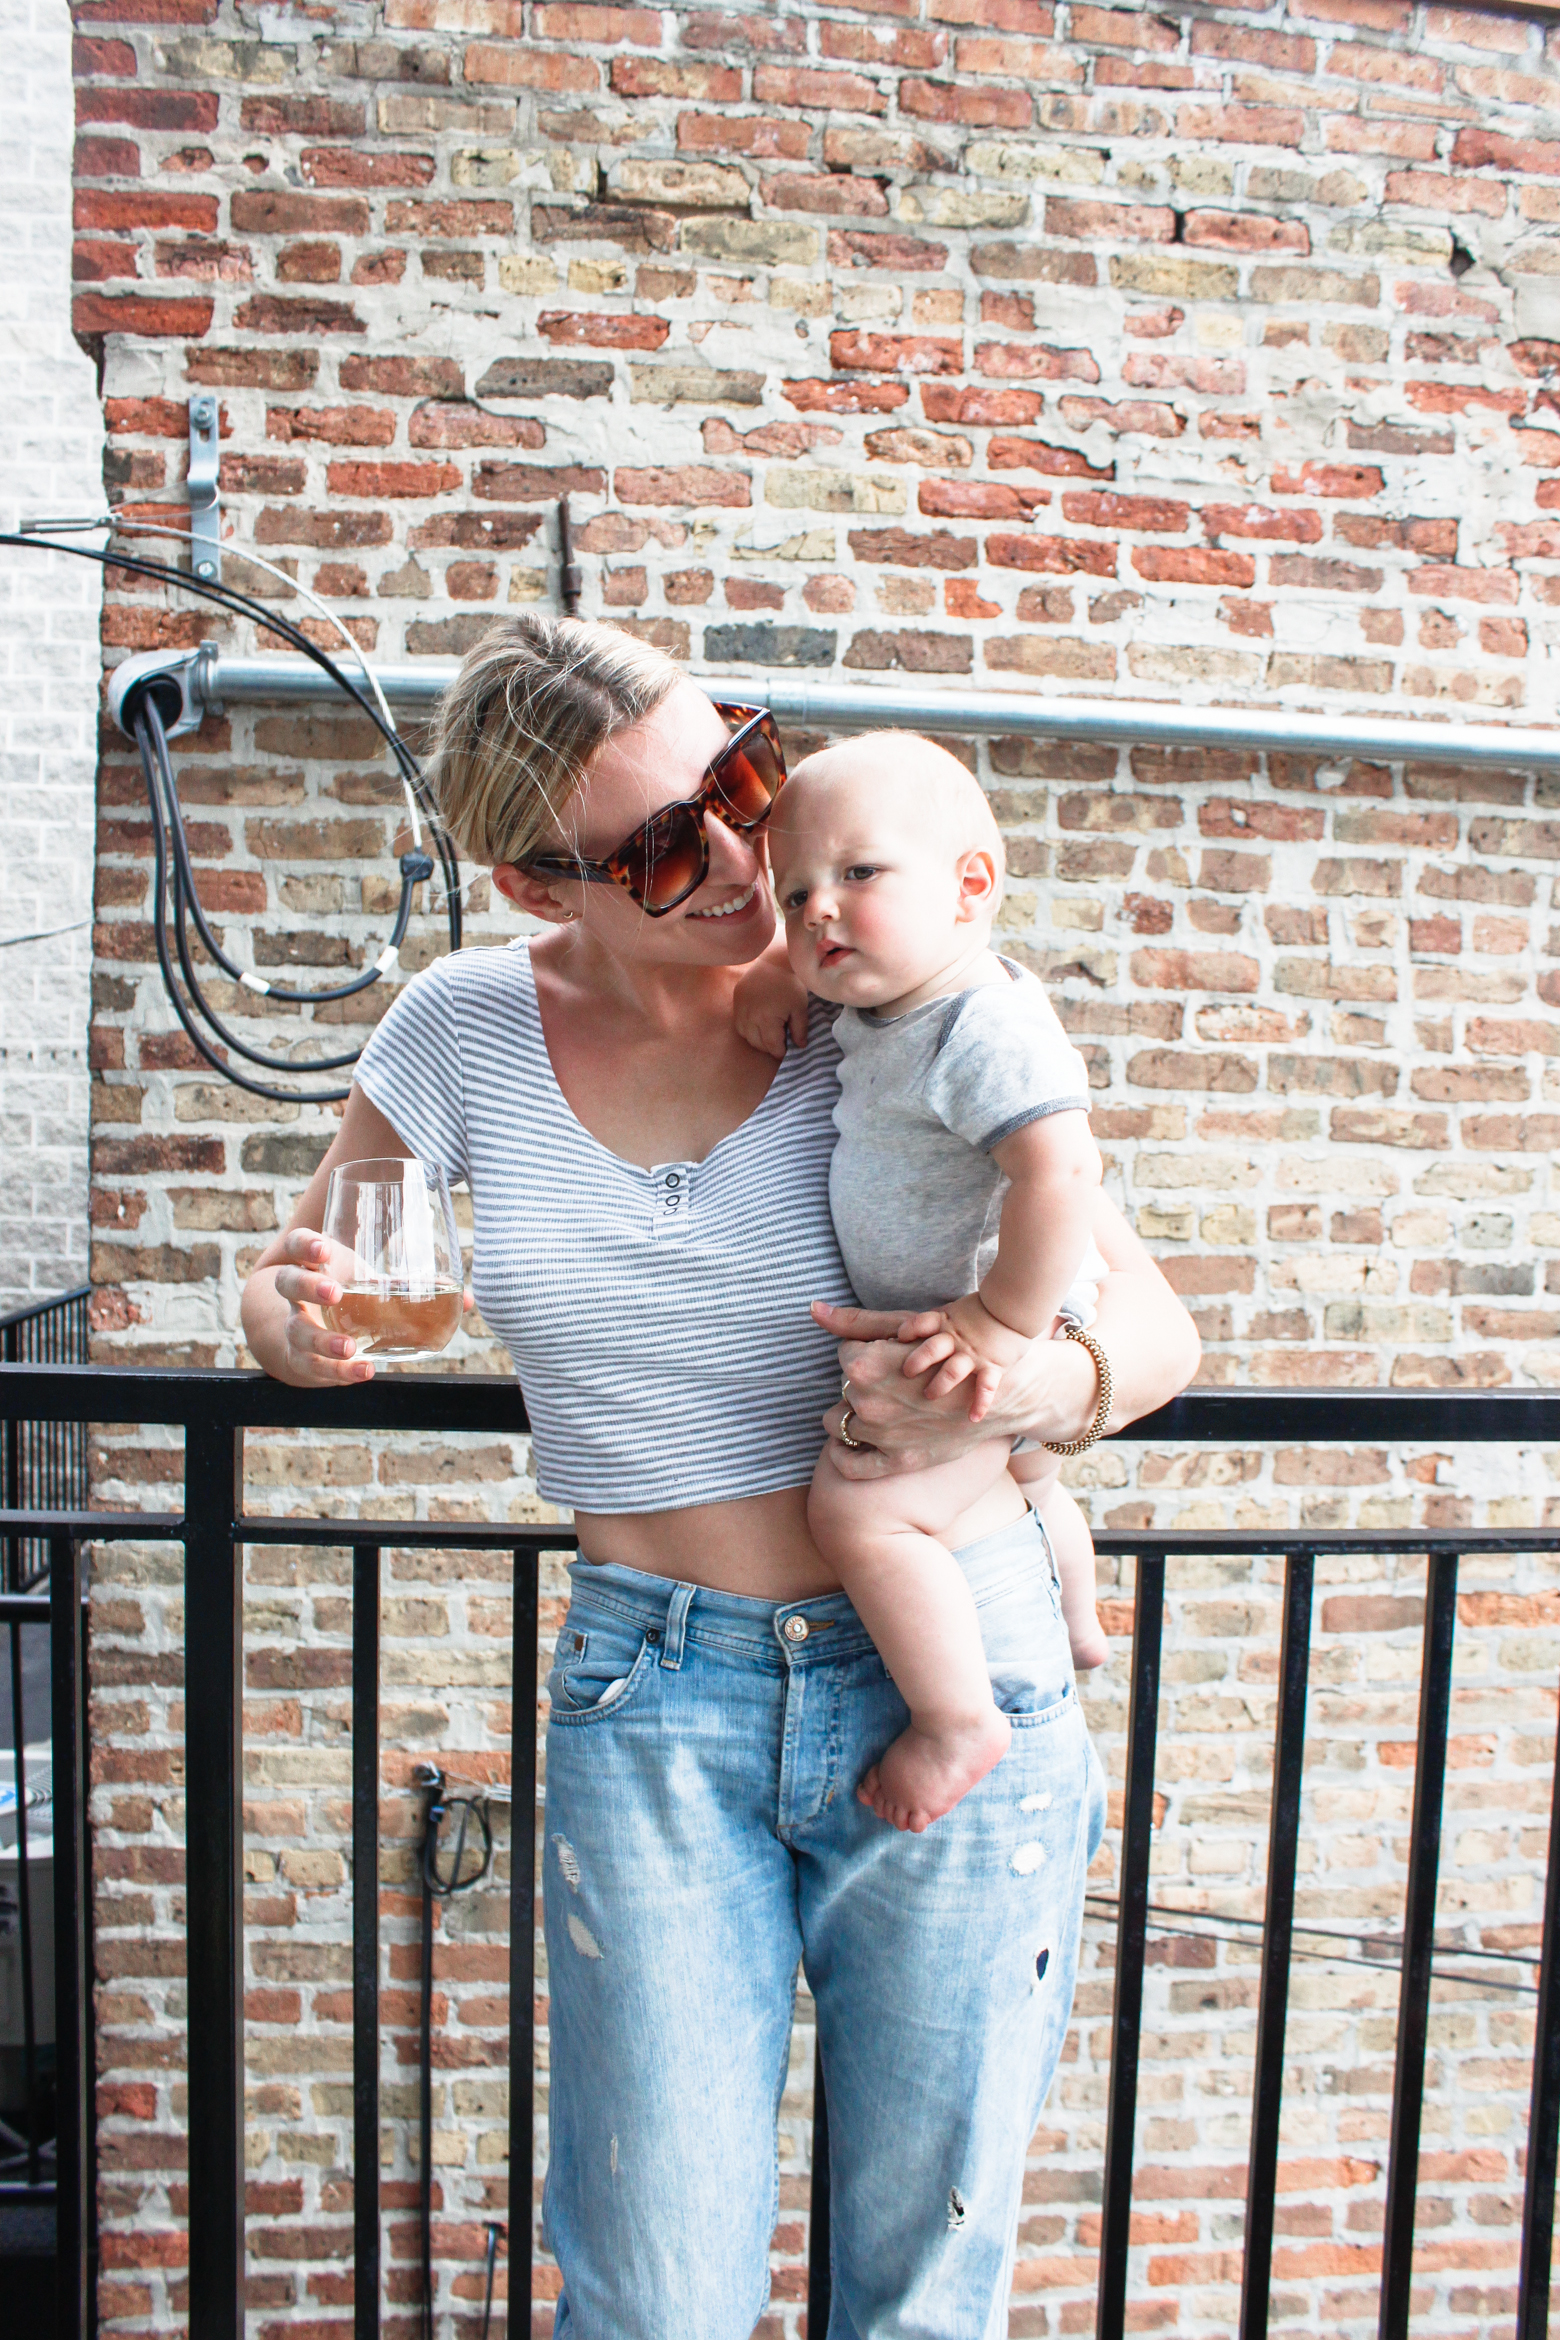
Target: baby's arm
column 770, row 1001
column 1054, row 1168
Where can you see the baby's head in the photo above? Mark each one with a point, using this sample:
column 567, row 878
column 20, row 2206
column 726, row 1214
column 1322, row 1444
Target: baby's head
column 887, row 865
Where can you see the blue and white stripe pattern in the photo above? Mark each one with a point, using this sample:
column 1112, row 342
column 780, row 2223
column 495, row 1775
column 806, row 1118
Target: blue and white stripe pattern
column 657, row 1318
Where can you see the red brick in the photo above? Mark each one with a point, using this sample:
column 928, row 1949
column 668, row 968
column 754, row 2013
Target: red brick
column 449, row 217
column 1157, row 369
column 141, row 314
column 1258, row 520
column 1005, row 454
column 1241, row 125
column 1167, row 970
column 956, row 403
column 906, row 550
column 1053, row 555
column 689, row 483
column 862, row 248
column 1169, row 565
column 636, row 28
column 648, row 77
column 1123, row 28
column 1153, row 514
column 580, row 326
column 149, row 109
column 95, row 207
column 1329, row 479
column 1084, row 218
column 275, row 212
column 943, row 101
column 864, row 45
column 903, row 353
column 346, row 426
column 1477, row 149
column 813, row 397
column 1283, row 52
column 271, row 313
column 1241, row 231
column 347, row 166
column 1139, row 417
column 1035, row 360
column 391, row 480
column 107, row 158
column 508, row 65
column 834, row 194
column 755, row 134
column 1015, row 60
column 309, row 117
column 799, row 85
column 730, row 33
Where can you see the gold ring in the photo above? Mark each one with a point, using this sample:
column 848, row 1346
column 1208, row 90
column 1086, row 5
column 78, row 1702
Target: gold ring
column 856, row 1445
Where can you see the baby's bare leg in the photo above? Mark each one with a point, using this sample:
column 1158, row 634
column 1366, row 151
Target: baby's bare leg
column 1073, row 1547
column 910, row 1593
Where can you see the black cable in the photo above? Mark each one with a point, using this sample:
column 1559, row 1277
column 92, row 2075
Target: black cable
column 171, row 846
column 239, row 604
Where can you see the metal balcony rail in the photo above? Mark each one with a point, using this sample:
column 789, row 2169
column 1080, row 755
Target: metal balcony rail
column 215, row 1409
column 43, row 1465
column 213, row 681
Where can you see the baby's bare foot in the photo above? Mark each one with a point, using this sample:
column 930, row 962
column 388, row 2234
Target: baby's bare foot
column 1089, row 1645
column 925, row 1772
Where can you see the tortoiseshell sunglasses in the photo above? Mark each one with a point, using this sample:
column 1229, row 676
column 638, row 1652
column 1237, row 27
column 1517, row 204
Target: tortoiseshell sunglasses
column 668, row 858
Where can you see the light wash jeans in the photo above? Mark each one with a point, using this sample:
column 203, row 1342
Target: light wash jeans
column 703, row 1836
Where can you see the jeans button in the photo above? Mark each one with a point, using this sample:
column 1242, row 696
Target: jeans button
column 795, row 1629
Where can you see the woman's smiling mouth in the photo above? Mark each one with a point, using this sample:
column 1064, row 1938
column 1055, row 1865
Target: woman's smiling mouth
column 733, row 909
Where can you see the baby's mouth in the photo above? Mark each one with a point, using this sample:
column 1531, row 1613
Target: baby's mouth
column 729, row 909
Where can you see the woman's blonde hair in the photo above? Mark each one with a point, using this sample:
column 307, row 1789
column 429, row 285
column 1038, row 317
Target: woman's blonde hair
column 532, row 703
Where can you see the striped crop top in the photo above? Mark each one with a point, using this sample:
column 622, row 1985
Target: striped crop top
column 657, row 1318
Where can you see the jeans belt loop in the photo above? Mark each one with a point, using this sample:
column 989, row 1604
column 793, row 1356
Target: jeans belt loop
column 676, row 1626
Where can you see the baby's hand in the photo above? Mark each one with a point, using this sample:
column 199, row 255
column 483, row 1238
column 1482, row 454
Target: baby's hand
column 966, row 1343
column 768, row 1003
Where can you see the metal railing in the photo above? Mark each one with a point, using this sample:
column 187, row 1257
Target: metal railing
column 43, row 1465
column 215, row 1410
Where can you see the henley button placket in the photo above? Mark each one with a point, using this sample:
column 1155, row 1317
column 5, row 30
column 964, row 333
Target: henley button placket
column 671, row 1197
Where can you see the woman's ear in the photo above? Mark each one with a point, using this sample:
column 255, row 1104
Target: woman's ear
column 533, row 895
column 980, row 883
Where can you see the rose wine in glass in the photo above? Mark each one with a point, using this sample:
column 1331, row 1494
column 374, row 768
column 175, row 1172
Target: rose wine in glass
column 395, row 1251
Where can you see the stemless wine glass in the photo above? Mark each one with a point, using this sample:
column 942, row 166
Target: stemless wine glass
column 395, row 1252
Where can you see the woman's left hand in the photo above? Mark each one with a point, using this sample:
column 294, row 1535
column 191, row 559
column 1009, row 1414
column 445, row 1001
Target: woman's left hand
column 900, row 1428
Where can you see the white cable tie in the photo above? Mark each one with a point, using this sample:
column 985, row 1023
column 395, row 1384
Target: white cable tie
column 253, row 982
column 388, row 958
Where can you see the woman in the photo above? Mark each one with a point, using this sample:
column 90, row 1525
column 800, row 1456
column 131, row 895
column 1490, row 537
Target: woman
column 651, row 1215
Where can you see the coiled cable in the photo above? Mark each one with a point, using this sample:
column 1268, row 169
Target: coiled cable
column 170, row 846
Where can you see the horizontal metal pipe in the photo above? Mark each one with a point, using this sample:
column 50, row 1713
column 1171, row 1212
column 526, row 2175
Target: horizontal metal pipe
column 241, row 682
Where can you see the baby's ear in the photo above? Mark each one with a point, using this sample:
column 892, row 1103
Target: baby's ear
column 980, row 882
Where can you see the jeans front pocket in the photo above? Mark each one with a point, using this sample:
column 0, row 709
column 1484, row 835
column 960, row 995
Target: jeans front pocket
column 1027, row 1653
column 600, row 1664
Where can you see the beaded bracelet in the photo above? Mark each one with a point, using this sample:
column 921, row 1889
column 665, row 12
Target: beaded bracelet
column 1075, row 1332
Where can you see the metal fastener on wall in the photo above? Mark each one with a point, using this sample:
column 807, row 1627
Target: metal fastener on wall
column 205, row 498
column 222, row 682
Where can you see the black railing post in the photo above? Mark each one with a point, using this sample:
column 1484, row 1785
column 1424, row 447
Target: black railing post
column 365, row 1942
column 1137, row 1841
column 11, row 1471
column 214, row 1851
column 522, row 1935
column 1538, row 2211
column 1424, row 1855
column 1277, row 1933
column 71, row 1875
column 24, row 1911
column 820, row 2271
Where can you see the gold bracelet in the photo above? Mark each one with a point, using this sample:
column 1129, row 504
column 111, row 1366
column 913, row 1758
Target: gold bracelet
column 1075, row 1332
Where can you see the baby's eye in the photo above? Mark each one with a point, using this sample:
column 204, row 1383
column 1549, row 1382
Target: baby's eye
column 794, row 899
column 859, row 872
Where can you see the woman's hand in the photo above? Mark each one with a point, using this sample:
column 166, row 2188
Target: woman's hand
column 312, row 1356
column 1049, row 1393
column 770, row 1002
column 965, row 1343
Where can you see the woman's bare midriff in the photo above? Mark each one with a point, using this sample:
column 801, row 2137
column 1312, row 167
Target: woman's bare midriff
column 758, row 1546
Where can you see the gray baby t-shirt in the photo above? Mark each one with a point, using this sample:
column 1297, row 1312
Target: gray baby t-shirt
column 924, row 1097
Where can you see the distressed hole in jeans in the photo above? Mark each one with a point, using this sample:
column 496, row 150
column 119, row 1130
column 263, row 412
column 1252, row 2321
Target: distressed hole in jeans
column 956, row 2210
column 1041, row 1963
column 568, row 1862
column 583, row 1939
column 1027, row 1859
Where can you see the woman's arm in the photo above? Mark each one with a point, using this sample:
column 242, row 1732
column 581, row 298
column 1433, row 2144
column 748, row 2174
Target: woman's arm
column 286, row 1286
column 1148, row 1336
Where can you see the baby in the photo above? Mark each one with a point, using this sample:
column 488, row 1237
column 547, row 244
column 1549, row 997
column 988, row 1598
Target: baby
column 962, row 1183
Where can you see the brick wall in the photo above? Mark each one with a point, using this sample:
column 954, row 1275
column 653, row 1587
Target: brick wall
column 49, row 661
column 1206, row 354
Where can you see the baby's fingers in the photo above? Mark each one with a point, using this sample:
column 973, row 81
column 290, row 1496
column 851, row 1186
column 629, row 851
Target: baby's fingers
column 988, row 1380
column 958, row 1368
column 930, row 1353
